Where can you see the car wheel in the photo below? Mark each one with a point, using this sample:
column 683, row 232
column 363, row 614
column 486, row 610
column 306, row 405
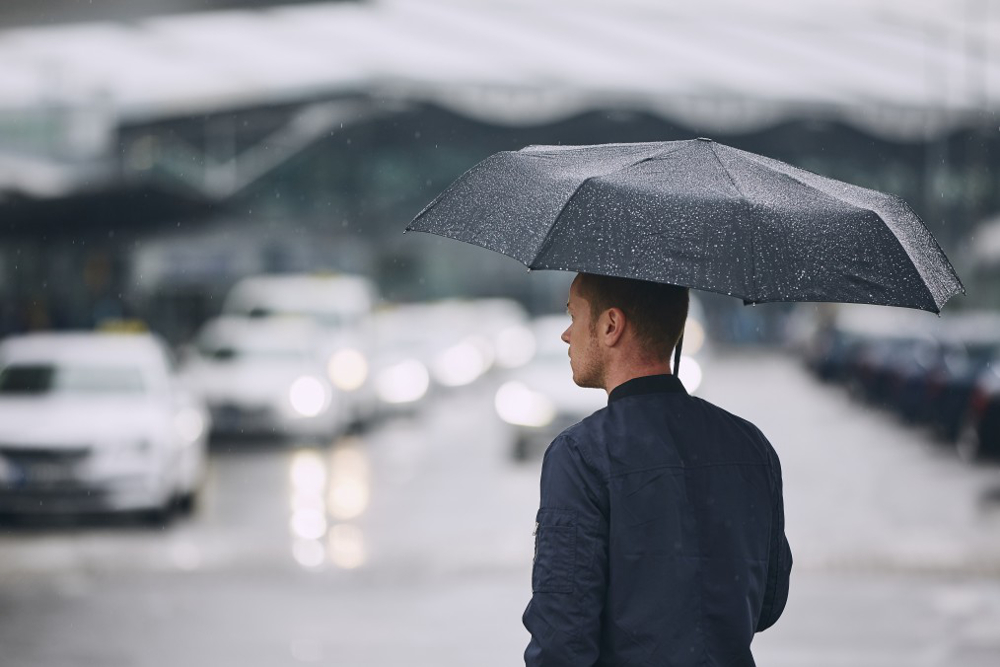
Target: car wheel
column 158, row 517
column 185, row 503
column 520, row 449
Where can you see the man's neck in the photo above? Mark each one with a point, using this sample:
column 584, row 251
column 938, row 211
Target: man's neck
column 620, row 374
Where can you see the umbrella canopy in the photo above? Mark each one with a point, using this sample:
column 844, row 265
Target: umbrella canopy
column 698, row 214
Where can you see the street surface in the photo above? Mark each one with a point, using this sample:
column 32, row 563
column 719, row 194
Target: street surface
column 425, row 556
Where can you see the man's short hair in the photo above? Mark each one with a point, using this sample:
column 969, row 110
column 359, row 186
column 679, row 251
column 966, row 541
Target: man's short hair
column 656, row 310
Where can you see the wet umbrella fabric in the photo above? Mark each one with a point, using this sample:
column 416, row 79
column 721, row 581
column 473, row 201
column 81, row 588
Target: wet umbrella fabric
column 699, row 214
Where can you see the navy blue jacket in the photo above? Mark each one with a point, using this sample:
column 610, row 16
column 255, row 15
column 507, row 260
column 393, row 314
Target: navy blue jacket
column 660, row 536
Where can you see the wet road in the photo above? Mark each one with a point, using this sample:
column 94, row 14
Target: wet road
column 423, row 557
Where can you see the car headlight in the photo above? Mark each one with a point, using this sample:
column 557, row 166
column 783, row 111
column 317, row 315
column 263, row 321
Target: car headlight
column 690, row 373
column 515, row 346
column 694, row 336
column 307, row 396
column 348, row 369
column 125, row 450
column 189, row 424
column 518, row 405
column 461, row 364
column 404, row 382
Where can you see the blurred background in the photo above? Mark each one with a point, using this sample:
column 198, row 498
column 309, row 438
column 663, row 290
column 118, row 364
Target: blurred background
column 244, row 420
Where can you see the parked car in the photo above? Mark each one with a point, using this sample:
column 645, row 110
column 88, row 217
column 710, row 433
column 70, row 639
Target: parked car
column 971, row 341
column 831, row 352
column 854, row 346
column 905, row 374
column 979, row 435
column 340, row 306
column 263, row 377
column 93, row 422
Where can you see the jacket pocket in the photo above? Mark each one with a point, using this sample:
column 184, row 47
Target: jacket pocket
column 555, row 552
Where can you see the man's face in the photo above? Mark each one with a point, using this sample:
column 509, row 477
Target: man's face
column 584, row 352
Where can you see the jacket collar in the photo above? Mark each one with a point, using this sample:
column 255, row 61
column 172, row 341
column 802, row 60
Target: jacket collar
column 649, row 384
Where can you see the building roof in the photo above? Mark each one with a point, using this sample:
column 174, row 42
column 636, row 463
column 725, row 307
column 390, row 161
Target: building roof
column 899, row 69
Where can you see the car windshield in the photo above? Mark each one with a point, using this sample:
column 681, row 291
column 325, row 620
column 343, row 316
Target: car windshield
column 246, row 352
column 329, row 319
column 75, row 379
column 982, row 353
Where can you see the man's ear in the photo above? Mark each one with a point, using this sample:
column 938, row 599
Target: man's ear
column 612, row 326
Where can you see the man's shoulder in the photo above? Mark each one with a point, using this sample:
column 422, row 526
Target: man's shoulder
column 724, row 414
column 581, row 436
column 649, row 417
column 602, row 434
column 586, row 430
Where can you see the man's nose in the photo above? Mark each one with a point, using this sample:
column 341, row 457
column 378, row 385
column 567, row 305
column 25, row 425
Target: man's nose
column 565, row 336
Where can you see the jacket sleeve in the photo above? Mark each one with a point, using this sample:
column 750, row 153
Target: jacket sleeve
column 779, row 566
column 569, row 575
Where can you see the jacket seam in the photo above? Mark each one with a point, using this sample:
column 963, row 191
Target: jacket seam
column 681, row 467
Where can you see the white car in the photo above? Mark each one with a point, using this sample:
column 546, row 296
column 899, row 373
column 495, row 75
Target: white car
column 444, row 344
column 96, row 422
column 456, row 341
column 402, row 350
column 339, row 305
column 263, row 377
column 539, row 400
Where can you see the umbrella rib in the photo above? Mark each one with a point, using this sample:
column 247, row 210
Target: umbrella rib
column 834, row 195
column 547, row 241
column 746, row 203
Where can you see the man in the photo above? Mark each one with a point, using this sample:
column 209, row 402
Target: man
column 660, row 535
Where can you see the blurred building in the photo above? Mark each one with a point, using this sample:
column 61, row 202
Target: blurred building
column 304, row 137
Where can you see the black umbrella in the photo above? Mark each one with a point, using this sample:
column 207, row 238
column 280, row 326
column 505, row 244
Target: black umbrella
column 698, row 214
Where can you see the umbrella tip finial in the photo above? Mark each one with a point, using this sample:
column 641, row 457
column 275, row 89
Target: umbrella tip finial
column 704, row 139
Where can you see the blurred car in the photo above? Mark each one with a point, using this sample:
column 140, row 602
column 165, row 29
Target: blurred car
column 444, row 345
column 332, row 301
column 539, row 400
column 979, row 434
column 407, row 339
column 854, row 342
column 503, row 323
column 263, row 377
column 93, row 422
column 831, row 352
column 905, row 375
column 341, row 308
column 882, row 355
column 971, row 341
